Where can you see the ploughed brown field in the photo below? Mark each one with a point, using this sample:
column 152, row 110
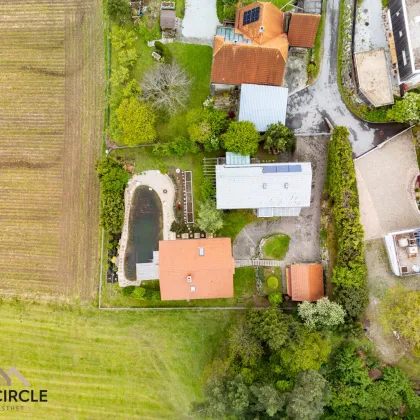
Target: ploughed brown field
column 51, row 126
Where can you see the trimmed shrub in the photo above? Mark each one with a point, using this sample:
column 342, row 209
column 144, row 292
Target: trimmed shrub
column 273, row 282
column 275, row 298
column 349, row 274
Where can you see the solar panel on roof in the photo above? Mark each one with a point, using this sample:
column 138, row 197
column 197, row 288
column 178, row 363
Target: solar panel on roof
column 269, row 169
column 282, row 168
column 251, row 15
column 295, row 168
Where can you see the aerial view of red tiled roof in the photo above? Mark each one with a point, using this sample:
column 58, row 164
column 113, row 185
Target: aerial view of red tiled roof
column 196, row 269
column 245, row 63
column 270, row 18
column 305, row 282
column 302, row 30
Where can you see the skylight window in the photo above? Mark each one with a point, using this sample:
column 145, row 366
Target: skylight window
column 252, row 15
column 201, row 251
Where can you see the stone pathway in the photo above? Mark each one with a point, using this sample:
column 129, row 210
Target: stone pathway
column 160, row 183
column 256, row 262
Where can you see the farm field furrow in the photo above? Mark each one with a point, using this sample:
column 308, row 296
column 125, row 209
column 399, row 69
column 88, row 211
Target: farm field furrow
column 52, row 104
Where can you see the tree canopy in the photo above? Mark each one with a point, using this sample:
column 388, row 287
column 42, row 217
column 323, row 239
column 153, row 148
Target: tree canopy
column 113, row 178
column 133, row 123
column 205, row 126
column 278, row 138
column 209, row 218
column 323, row 314
column 118, row 9
column 241, row 137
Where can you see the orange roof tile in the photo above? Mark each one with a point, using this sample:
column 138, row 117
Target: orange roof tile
column 244, row 63
column 306, row 282
column 271, row 18
column 211, row 274
column 302, row 29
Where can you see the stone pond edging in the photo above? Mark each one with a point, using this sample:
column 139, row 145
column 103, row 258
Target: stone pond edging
column 158, row 182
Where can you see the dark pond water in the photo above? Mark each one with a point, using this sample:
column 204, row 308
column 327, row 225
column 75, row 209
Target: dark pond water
column 145, row 229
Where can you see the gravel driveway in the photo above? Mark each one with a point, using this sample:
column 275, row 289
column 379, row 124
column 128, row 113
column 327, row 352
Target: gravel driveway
column 304, row 229
column 306, row 109
column 200, row 19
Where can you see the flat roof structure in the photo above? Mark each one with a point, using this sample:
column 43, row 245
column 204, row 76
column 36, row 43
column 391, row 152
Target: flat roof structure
column 413, row 20
column 305, row 282
column 196, row 269
column 263, row 105
column 373, row 77
column 403, row 252
column 386, row 179
column 268, row 185
column 168, row 19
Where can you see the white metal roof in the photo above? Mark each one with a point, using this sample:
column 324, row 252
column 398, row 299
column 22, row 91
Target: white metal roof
column 263, row 185
column 263, row 105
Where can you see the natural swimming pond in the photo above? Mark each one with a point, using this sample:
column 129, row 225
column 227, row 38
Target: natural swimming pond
column 145, row 229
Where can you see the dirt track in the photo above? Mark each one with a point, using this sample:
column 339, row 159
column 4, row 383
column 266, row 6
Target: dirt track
column 52, row 101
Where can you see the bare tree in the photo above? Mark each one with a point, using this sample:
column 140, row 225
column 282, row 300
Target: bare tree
column 167, row 87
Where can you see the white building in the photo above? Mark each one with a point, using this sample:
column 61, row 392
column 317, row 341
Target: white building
column 273, row 189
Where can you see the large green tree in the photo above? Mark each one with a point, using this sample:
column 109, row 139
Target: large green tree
column 241, row 137
column 118, row 9
column 323, row 314
column 309, row 396
column 206, row 125
column 209, row 218
column 133, row 123
column 270, row 326
column 278, row 138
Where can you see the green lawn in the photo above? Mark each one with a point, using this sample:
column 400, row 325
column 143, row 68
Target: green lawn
column 269, row 272
column 234, row 221
column 276, row 247
column 243, row 284
column 120, row 365
column 144, row 160
column 196, row 60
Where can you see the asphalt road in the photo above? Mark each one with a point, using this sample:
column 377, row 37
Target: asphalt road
column 306, row 109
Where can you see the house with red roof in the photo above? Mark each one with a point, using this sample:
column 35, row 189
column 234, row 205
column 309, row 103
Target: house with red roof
column 255, row 50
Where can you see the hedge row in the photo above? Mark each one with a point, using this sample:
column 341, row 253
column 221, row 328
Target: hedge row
column 349, row 274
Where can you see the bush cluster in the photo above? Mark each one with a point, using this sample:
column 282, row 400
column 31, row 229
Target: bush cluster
column 141, row 293
column 179, row 147
column 113, row 178
column 349, row 275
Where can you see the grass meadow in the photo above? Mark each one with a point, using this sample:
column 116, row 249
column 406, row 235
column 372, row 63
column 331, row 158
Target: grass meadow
column 106, row 364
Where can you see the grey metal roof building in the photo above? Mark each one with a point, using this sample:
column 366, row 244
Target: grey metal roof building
column 263, row 105
column 404, row 16
column 274, row 189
